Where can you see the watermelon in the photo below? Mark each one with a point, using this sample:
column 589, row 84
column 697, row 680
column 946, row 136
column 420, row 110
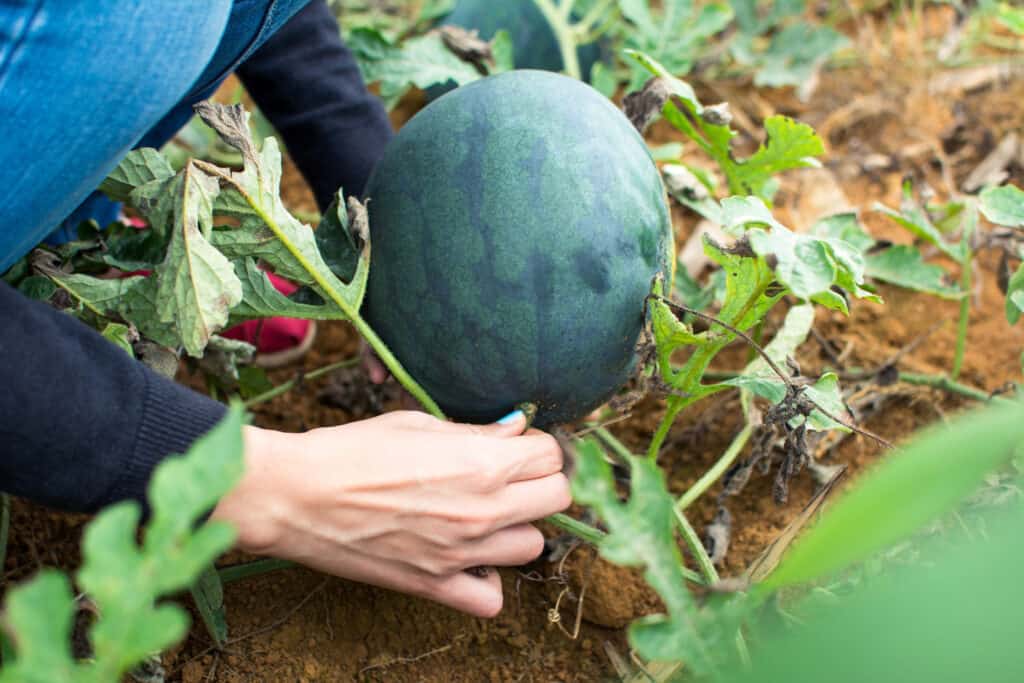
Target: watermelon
column 533, row 42
column 516, row 225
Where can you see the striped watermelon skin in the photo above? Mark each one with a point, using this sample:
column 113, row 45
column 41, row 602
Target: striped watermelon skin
column 516, row 226
column 533, row 42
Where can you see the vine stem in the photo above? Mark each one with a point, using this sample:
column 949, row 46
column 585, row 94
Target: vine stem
column 964, row 320
column 558, row 18
column 580, row 530
column 246, row 570
column 952, row 386
column 969, row 225
column 285, row 387
column 718, row 469
column 786, row 379
column 613, row 443
column 330, row 290
column 942, row 382
column 693, row 542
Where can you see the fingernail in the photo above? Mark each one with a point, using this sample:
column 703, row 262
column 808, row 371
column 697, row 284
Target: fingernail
column 511, row 417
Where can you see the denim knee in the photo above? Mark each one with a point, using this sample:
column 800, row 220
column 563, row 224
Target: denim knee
column 81, row 83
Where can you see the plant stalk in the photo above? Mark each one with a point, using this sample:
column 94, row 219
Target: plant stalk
column 285, row 387
column 717, row 470
column 255, row 568
column 693, row 542
column 962, row 326
column 559, row 20
column 609, row 440
column 328, row 288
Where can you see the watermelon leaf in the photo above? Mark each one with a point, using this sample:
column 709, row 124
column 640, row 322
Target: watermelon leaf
column 901, row 265
column 196, row 285
column 675, row 35
column 1004, row 205
column 788, row 144
column 759, row 378
column 809, row 265
column 139, row 167
column 640, row 534
column 267, row 229
column 40, row 613
column 124, row 580
column 422, row 61
column 890, row 503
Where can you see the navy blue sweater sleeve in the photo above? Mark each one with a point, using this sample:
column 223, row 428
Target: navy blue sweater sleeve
column 308, row 85
column 82, row 424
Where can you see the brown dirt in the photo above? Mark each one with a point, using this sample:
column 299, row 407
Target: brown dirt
column 880, row 122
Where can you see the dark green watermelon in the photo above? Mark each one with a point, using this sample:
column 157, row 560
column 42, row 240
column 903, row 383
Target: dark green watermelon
column 533, row 42
column 516, row 223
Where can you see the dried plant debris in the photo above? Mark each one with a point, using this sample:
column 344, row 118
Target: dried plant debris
column 351, row 390
column 644, row 106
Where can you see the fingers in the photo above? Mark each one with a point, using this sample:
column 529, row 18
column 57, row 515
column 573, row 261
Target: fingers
column 480, row 596
column 510, row 547
column 528, row 501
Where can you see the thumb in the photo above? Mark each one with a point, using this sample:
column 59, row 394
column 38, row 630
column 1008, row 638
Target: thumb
column 513, row 424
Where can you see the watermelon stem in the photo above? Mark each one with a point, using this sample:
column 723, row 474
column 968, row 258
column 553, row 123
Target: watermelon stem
column 332, row 288
column 559, row 20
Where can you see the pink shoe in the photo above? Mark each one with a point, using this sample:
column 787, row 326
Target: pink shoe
column 278, row 341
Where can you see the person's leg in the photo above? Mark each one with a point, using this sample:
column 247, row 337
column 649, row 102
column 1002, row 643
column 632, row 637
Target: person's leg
column 80, row 84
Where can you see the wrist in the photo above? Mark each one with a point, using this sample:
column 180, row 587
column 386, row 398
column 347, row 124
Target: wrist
column 255, row 506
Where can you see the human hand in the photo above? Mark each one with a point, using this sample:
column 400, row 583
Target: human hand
column 404, row 501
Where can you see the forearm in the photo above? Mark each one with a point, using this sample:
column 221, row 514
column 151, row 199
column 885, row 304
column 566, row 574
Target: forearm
column 82, row 424
column 308, row 85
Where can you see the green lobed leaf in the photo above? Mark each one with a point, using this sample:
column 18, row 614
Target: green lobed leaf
column 196, row 284
column 252, row 196
column 942, row 618
column 40, row 615
column 422, row 61
column 139, row 167
column 675, row 34
column 695, row 295
column 904, row 266
column 126, row 580
column 38, row 287
column 100, row 296
column 138, row 305
column 670, row 334
column 260, row 299
column 120, row 335
column 1015, row 296
column 900, row 265
column 1004, row 205
column 747, row 278
column 640, row 534
column 132, row 249
column 809, row 265
column 788, row 144
column 891, row 503
column 916, row 220
column 795, row 53
column 760, row 379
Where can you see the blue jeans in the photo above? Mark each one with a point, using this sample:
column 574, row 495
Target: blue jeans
column 82, row 82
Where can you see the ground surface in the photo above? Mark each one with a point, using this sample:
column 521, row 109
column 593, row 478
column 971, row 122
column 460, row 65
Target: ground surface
column 882, row 118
